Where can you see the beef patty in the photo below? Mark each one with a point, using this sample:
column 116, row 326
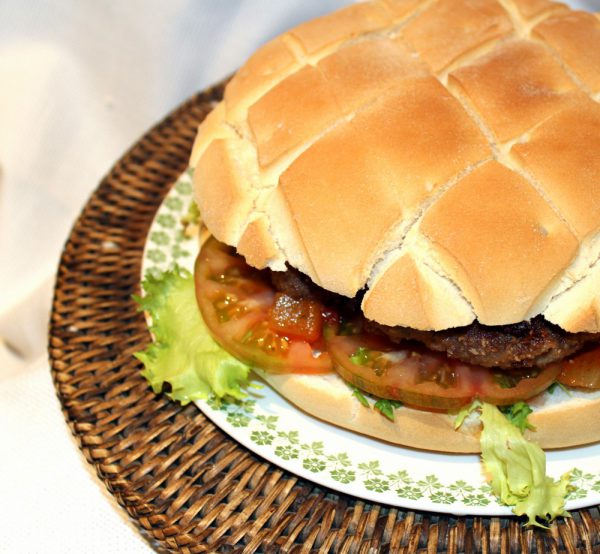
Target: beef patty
column 536, row 342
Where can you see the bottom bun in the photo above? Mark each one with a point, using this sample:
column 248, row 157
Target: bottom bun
column 561, row 419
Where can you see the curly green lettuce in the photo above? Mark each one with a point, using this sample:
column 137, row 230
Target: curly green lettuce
column 517, row 468
column 183, row 354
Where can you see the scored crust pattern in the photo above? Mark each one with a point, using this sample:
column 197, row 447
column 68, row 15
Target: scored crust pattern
column 444, row 155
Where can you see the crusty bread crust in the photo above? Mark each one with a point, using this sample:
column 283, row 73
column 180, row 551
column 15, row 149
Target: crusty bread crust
column 327, row 397
column 442, row 154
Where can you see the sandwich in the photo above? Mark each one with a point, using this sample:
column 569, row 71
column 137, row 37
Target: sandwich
column 401, row 206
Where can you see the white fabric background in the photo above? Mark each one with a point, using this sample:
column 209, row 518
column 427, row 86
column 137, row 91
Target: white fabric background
column 80, row 81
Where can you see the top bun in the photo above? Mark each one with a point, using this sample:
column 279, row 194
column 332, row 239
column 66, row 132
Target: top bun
column 444, row 155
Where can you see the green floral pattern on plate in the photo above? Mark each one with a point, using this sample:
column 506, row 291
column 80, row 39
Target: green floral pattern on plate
column 315, row 458
column 167, row 243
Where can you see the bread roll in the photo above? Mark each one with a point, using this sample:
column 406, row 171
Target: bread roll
column 430, row 149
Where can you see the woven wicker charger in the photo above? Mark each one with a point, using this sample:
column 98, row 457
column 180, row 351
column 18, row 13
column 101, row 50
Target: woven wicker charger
column 186, row 484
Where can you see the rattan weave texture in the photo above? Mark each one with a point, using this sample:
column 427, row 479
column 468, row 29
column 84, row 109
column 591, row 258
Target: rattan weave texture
column 187, row 485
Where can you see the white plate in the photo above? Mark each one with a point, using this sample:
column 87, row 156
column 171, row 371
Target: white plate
column 341, row 460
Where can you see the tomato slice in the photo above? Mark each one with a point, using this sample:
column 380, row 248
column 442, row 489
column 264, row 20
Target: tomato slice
column 506, row 387
column 581, row 370
column 237, row 302
column 425, row 379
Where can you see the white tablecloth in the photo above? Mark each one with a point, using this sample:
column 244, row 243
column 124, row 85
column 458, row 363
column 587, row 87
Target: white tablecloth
column 79, row 83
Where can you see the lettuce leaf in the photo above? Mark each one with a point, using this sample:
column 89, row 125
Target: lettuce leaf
column 517, row 414
column 517, row 468
column 183, row 353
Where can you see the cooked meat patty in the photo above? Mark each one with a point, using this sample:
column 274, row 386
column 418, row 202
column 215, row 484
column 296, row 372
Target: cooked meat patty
column 530, row 343
column 298, row 285
column 295, row 284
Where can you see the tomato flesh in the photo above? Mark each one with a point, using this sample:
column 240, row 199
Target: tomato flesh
column 299, row 319
column 426, row 379
column 237, row 304
column 581, row 370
